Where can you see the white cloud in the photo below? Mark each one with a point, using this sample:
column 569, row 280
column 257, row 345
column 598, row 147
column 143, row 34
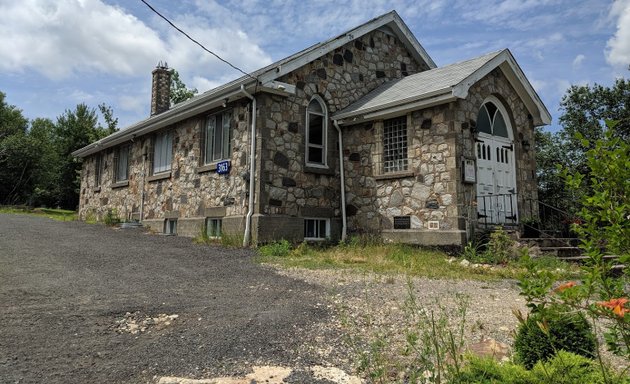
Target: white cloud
column 69, row 37
column 577, row 62
column 539, row 85
column 618, row 46
column 137, row 104
column 60, row 38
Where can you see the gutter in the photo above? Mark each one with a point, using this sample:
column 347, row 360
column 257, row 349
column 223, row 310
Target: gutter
column 252, row 161
column 344, row 223
column 174, row 115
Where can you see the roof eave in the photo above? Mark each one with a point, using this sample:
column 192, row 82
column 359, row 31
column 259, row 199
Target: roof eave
column 395, row 110
column 517, row 79
column 392, row 104
column 200, row 105
column 391, row 19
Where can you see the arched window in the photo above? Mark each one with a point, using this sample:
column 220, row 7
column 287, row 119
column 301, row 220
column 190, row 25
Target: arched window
column 490, row 120
column 316, row 128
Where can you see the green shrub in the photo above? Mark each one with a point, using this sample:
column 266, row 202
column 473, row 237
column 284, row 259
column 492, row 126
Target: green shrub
column 280, row 248
column 500, row 247
column 111, row 217
column 543, row 334
column 562, row 368
column 480, row 370
column 569, row 368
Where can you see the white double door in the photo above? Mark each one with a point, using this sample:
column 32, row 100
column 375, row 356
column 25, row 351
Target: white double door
column 496, row 180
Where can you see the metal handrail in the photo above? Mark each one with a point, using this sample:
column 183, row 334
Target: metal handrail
column 492, row 209
column 552, row 221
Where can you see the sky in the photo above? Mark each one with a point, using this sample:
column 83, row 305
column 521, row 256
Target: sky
column 55, row 54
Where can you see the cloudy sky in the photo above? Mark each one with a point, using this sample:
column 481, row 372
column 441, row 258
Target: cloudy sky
column 57, row 53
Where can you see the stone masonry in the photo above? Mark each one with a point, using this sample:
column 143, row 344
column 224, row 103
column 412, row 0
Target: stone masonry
column 439, row 206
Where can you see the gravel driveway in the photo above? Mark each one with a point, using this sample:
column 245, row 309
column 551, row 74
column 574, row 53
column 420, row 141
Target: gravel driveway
column 87, row 303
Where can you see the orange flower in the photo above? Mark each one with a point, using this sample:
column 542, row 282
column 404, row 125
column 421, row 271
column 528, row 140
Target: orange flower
column 617, row 306
column 568, row 284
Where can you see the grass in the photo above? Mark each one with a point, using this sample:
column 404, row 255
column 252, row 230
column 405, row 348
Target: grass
column 55, row 214
column 382, row 259
column 388, row 259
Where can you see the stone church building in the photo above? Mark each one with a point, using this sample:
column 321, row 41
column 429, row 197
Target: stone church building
column 362, row 133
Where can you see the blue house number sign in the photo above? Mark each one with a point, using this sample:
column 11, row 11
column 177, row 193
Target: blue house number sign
column 223, row 167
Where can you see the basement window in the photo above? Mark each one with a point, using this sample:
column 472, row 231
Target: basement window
column 316, row 229
column 213, row 228
column 170, row 227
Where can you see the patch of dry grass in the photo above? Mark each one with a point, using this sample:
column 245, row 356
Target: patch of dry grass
column 386, row 259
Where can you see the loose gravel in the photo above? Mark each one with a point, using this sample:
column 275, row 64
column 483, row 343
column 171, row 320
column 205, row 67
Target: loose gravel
column 91, row 304
column 88, row 303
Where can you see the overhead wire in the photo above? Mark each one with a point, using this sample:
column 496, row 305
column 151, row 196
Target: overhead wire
column 197, row 42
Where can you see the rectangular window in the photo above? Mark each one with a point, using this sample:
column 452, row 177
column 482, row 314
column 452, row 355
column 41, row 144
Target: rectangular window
column 170, row 227
column 316, row 229
column 217, row 138
column 395, row 145
column 162, row 152
column 98, row 169
column 121, row 163
column 213, row 228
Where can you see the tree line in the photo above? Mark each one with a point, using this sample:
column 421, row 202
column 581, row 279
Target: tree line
column 36, row 165
column 587, row 112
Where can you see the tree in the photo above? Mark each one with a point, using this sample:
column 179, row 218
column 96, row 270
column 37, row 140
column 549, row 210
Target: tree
column 46, row 189
column 19, row 158
column 585, row 109
column 108, row 116
column 18, row 154
column 11, row 119
column 179, row 91
column 75, row 130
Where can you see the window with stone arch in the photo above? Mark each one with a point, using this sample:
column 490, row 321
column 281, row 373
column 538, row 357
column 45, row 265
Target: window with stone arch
column 316, row 132
column 490, row 120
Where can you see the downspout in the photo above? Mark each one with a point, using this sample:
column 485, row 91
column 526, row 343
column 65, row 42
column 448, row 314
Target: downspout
column 344, row 224
column 144, row 177
column 252, row 161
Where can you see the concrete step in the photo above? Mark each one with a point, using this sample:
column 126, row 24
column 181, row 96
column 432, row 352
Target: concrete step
column 562, row 251
column 550, row 241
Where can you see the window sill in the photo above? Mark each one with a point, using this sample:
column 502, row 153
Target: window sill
column 210, row 167
column 96, row 189
column 120, row 184
column 318, row 170
column 394, row 175
column 159, row 176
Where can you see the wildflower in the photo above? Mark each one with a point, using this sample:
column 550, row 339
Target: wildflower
column 567, row 285
column 617, row 306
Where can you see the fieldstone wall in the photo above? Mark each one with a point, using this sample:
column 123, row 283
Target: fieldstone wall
column 190, row 190
column 432, row 189
column 287, row 186
column 425, row 192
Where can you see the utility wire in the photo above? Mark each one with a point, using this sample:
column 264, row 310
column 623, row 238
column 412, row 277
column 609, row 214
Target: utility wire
column 198, row 43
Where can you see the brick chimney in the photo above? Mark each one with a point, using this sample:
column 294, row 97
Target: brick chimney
column 160, row 89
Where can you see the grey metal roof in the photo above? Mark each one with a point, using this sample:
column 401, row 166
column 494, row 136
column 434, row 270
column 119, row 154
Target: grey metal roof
column 415, row 87
column 215, row 97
